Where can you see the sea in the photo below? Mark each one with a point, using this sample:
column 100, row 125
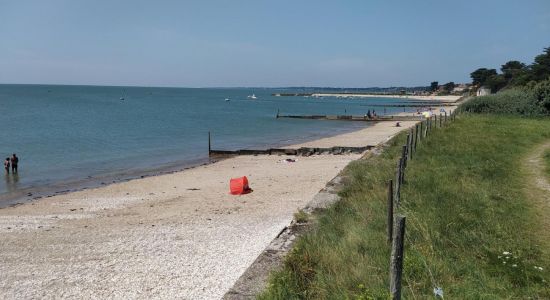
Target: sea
column 74, row 137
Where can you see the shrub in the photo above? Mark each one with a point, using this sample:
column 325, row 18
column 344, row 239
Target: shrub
column 516, row 101
column 541, row 93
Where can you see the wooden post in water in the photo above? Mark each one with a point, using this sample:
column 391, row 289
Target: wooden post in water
column 397, row 191
column 209, row 144
column 277, row 114
column 390, row 210
column 397, row 255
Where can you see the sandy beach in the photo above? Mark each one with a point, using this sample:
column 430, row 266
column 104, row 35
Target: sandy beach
column 412, row 97
column 179, row 235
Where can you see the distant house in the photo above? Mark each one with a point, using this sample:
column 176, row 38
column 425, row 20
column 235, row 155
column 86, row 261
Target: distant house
column 459, row 88
column 483, row 91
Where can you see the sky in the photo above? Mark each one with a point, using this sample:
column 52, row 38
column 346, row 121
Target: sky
column 260, row 43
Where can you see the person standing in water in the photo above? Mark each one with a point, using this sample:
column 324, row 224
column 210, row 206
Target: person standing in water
column 14, row 162
column 7, row 165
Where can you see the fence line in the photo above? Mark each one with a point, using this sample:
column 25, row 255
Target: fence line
column 396, row 223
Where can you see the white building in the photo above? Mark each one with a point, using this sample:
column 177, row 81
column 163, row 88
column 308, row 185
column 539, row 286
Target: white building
column 483, row 91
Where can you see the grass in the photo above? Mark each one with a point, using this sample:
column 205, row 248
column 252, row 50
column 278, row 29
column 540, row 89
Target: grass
column 547, row 162
column 467, row 207
column 301, row 217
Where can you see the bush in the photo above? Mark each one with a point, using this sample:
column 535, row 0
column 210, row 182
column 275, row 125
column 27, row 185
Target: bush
column 517, row 101
column 541, row 93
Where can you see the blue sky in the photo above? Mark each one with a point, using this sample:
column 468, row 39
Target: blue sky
column 265, row 43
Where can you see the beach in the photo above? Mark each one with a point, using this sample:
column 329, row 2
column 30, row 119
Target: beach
column 449, row 98
column 179, row 235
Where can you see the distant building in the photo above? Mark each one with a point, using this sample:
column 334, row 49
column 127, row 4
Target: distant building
column 460, row 88
column 483, row 91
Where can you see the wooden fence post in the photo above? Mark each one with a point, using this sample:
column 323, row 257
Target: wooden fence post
column 410, row 147
column 397, row 191
column 397, row 255
column 408, row 153
column 404, row 156
column 390, row 210
column 445, row 117
column 435, row 117
column 209, row 144
column 424, row 132
column 416, row 136
column 440, row 120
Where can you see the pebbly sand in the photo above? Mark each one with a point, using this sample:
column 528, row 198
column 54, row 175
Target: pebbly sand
column 179, row 235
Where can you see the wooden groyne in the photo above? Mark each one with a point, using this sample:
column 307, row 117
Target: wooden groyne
column 352, row 118
column 303, row 151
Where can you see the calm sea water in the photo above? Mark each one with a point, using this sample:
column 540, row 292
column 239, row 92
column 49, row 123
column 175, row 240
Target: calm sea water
column 74, row 134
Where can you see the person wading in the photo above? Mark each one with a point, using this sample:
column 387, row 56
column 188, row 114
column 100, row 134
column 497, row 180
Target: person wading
column 14, row 162
column 7, row 165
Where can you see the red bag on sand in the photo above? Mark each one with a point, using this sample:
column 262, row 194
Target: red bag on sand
column 239, row 186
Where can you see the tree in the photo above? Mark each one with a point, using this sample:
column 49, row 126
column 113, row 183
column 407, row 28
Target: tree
column 495, row 82
column 513, row 69
column 481, row 75
column 434, row 85
column 540, row 69
column 449, row 86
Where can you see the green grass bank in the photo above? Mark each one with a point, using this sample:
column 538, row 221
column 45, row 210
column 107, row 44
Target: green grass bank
column 472, row 228
column 547, row 162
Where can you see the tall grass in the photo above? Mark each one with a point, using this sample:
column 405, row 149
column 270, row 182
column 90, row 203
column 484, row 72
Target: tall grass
column 471, row 228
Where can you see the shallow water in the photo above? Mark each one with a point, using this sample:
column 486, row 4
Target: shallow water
column 66, row 134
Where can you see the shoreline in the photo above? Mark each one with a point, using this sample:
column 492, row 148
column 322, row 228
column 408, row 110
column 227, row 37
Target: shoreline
column 166, row 236
column 37, row 193
column 450, row 99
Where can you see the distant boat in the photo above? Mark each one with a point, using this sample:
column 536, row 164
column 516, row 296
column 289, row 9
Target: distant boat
column 227, row 99
column 121, row 98
column 252, row 97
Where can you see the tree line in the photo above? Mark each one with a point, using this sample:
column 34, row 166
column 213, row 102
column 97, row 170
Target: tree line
column 514, row 73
